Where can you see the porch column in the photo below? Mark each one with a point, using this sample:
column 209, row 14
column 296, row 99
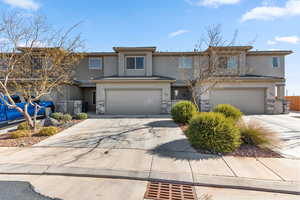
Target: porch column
column 100, row 99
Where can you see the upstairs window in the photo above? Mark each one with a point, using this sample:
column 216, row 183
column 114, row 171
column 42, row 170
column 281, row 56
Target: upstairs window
column 3, row 65
column 232, row 62
column 275, row 62
column 37, row 63
column 186, row 63
column 135, row 62
column 228, row 62
column 95, row 63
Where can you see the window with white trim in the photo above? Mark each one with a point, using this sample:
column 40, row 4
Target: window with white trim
column 228, row 62
column 95, row 63
column 275, row 62
column 3, row 65
column 135, row 62
column 186, row 62
column 232, row 62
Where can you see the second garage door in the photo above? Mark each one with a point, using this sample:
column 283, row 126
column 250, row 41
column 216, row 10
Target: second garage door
column 248, row 100
column 133, row 101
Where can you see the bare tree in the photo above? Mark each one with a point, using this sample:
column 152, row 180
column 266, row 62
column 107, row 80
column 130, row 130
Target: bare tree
column 211, row 65
column 35, row 59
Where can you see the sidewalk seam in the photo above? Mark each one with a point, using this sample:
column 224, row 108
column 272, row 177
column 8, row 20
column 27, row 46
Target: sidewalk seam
column 192, row 171
column 229, row 167
column 150, row 167
column 270, row 169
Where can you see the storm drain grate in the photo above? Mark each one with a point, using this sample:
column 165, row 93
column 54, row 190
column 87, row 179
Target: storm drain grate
column 168, row 191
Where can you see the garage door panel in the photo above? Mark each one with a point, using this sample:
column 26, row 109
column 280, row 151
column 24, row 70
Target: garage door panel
column 133, row 101
column 249, row 101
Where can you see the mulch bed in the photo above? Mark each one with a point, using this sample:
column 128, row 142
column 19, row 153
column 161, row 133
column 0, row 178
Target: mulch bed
column 245, row 150
column 7, row 141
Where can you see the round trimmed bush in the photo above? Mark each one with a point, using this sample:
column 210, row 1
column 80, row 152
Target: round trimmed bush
column 183, row 111
column 20, row 134
column 81, row 116
column 48, row 131
column 213, row 132
column 66, row 118
column 229, row 111
column 57, row 115
column 23, row 126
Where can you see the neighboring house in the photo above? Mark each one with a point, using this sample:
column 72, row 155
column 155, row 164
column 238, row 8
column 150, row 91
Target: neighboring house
column 141, row 80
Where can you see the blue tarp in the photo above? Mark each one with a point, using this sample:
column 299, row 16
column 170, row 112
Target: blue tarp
column 9, row 114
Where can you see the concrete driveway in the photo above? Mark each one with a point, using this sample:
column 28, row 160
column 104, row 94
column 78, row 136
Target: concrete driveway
column 153, row 133
column 288, row 128
column 152, row 148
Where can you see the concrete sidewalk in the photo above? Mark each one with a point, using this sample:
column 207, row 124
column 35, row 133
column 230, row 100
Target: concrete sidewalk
column 265, row 174
column 78, row 188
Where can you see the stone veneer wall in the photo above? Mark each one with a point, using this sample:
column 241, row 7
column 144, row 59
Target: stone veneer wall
column 69, row 106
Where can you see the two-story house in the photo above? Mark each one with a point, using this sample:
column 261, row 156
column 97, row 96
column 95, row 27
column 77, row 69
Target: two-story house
column 141, row 80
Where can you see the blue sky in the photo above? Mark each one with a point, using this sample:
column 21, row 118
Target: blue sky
column 177, row 25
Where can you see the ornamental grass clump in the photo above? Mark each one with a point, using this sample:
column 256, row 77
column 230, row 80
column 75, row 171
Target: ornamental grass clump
column 213, row 132
column 229, row 111
column 20, row 134
column 57, row 115
column 48, row 131
column 66, row 118
column 23, row 126
column 81, row 116
column 254, row 133
column 183, row 111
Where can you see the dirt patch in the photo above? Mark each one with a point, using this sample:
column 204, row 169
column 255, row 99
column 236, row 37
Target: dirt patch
column 244, row 150
column 7, row 141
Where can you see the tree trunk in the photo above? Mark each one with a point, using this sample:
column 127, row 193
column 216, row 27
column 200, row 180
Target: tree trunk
column 36, row 110
column 27, row 116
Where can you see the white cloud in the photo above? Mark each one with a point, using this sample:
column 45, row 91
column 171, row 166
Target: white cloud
column 212, row 3
column 288, row 39
column 291, row 8
column 176, row 33
column 24, row 4
column 271, row 42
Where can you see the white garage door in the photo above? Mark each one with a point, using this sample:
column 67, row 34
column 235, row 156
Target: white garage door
column 249, row 101
column 133, row 101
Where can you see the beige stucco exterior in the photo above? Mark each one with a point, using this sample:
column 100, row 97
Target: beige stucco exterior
column 254, row 76
column 262, row 65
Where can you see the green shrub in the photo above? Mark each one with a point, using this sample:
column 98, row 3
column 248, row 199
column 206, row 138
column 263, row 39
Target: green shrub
column 57, row 115
column 254, row 133
column 229, row 111
column 20, row 134
column 183, row 111
column 66, row 118
column 81, row 116
column 23, row 126
column 48, row 131
column 213, row 132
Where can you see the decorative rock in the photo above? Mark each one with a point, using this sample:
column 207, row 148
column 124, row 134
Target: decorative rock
column 49, row 122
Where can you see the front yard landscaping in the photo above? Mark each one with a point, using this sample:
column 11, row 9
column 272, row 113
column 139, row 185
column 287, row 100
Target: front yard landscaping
column 224, row 132
column 23, row 136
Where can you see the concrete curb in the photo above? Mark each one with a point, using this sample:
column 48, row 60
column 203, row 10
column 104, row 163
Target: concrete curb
column 285, row 187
